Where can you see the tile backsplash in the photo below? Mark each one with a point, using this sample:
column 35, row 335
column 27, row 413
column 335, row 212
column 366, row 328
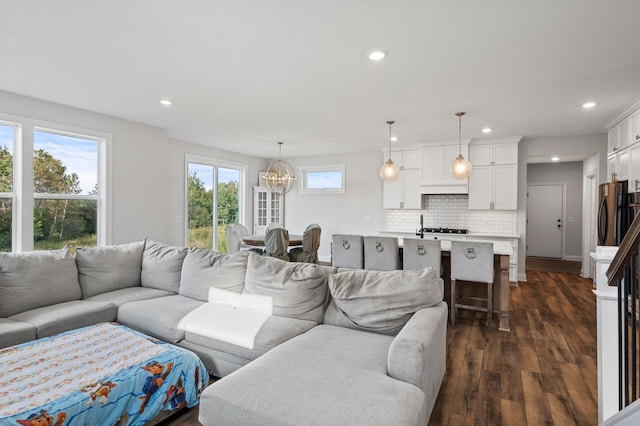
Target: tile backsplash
column 452, row 211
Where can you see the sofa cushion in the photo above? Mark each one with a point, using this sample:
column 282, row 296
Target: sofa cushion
column 15, row 332
column 30, row 280
column 158, row 317
column 204, row 268
column 61, row 317
column 273, row 332
column 298, row 289
column 129, row 294
column 102, row 269
column 380, row 301
column 326, row 376
column 162, row 265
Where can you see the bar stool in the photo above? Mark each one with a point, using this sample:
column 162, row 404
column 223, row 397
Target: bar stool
column 347, row 251
column 421, row 253
column 472, row 261
column 381, row 253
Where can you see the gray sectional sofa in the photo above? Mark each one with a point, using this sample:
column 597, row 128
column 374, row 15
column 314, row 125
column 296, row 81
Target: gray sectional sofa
column 341, row 346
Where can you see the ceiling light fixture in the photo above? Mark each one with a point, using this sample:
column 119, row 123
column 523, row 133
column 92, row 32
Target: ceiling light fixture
column 460, row 168
column 588, row 105
column 394, row 139
column 555, row 158
column 376, row 55
column 389, row 170
column 166, row 102
column 280, row 176
column 487, row 130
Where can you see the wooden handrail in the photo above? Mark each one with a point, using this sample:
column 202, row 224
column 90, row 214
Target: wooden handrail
column 628, row 246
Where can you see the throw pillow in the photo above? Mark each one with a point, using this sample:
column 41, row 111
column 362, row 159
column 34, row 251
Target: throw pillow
column 34, row 279
column 103, row 269
column 380, row 301
column 204, row 268
column 298, row 290
column 162, row 266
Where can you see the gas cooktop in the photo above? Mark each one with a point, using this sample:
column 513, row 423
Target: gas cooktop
column 446, row 230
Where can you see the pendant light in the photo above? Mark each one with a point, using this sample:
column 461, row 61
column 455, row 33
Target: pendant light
column 389, row 170
column 460, row 168
column 280, row 176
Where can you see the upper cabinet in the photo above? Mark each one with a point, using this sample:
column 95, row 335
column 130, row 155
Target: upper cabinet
column 435, row 170
column 623, row 146
column 404, row 192
column 493, row 183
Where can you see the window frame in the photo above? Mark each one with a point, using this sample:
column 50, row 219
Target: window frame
column 304, row 170
column 23, row 191
column 216, row 164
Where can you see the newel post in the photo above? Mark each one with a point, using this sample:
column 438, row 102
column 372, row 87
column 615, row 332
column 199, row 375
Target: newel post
column 607, row 327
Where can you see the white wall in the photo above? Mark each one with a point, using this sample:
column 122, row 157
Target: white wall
column 177, row 150
column 339, row 213
column 138, row 164
column 569, row 174
column 569, row 148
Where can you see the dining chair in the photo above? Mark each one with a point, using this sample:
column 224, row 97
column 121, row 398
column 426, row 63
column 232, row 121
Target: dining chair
column 381, row 253
column 310, row 244
column 472, row 262
column 272, row 225
column 421, row 253
column 347, row 251
column 276, row 243
column 239, row 231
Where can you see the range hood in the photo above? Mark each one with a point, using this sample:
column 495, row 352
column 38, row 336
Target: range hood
column 446, row 188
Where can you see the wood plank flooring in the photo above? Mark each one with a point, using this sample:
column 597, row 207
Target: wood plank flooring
column 541, row 373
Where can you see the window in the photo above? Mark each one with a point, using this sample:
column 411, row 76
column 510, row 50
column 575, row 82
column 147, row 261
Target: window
column 214, row 190
column 65, row 186
column 60, row 197
column 323, row 179
column 7, row 142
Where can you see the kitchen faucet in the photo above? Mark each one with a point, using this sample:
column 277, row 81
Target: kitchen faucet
column 421, row 233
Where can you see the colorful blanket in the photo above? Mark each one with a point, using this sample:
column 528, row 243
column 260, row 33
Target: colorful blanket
column 106, row 374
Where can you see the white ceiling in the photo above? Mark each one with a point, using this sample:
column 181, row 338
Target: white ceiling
column 245, row 74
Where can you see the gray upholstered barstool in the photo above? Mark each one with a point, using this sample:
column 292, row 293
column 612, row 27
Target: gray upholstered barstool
column 473, row 262
column 381, row 253
column 347, row 251
column 421, row 253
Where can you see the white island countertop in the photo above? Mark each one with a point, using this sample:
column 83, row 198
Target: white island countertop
column 499, row 246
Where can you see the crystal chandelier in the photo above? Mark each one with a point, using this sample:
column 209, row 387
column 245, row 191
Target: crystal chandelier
column 280, row 176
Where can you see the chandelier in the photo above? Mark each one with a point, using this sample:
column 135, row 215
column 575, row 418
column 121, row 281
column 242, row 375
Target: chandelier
column 280, row 176
column 460, row 168
column 389, row 170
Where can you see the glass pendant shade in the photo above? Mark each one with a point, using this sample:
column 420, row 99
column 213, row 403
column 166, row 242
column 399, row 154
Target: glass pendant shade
column 280, row 176
column 389, row 171
column 461, row 167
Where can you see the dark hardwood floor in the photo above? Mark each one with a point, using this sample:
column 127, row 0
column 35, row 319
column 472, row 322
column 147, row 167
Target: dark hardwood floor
column 541, row 373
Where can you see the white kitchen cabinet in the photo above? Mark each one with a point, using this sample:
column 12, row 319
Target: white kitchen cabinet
column 493, row 184
column 404, row 192
column 635, row 127
column 267, row 207
column 435, row 169
column 634, row 167
column 619, row 136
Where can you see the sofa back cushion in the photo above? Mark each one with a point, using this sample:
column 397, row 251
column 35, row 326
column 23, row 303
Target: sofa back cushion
column 162, row 266
column 103, row 269
column 380, row 301
column 34, row 279
column 298, row 290
column 204, row 268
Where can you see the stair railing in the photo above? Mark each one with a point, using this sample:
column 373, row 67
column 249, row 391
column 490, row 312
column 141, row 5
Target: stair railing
column 623, row 273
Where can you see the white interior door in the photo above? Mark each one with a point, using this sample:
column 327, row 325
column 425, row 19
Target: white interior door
column 544, row 221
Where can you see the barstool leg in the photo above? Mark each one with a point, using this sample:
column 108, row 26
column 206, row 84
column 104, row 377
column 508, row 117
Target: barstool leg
column 453, row 302
column 489, row 305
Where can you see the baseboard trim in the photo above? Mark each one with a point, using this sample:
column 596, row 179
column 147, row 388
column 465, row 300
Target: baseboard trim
column 522, row 276
column 573, row 258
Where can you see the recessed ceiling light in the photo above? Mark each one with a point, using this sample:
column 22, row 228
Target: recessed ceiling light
column 166, row 102
column 487, row 130
column 376, row 55
column 588, row 105
column 394, row 139
column 555, row 158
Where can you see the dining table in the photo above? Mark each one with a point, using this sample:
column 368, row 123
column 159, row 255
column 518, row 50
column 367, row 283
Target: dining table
column 257, row 240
